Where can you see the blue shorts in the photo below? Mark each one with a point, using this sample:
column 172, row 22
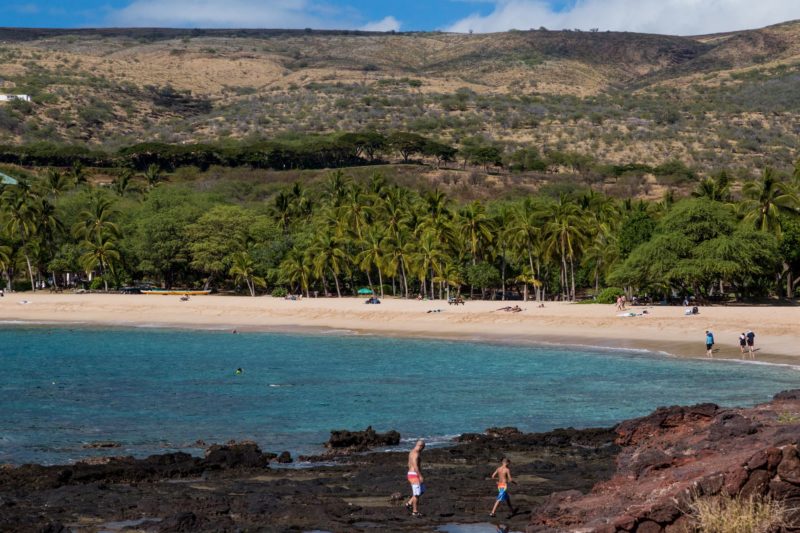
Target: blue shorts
column 501, row 495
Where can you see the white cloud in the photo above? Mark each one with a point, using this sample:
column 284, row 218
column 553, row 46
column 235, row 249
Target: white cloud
column 231, row 14
column 677, row 17
column 385, row 24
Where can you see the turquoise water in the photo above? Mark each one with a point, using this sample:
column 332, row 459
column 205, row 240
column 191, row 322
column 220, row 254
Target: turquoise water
column 154, row 390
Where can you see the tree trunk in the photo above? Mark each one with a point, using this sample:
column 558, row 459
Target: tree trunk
column 504, row 277
column 336, row 280
column 572, row 273
column 380, row 280
column 432, row 293
column 403, row 275
column 30, row 271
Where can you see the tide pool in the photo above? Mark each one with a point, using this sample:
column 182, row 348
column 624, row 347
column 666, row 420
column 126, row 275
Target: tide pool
column 157, row 390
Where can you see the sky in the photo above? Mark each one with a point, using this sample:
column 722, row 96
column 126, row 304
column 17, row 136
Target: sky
column 677, row 17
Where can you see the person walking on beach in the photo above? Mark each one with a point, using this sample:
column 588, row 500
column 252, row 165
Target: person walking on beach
column 415, row 478
column 709, row 343
column 742, row 342
column 751, row 341
column 503, row 475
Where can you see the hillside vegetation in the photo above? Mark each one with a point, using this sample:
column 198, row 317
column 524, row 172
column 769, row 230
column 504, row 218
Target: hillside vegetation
column 710, row 102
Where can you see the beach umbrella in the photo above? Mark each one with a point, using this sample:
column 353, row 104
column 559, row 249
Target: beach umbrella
column 364, row 290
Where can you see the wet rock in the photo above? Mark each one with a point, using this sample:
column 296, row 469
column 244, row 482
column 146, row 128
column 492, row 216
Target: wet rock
column 99, row 445
column 361, row 440
column 284, row 458
column 786, row 395
column 503, row 432
column 244, row 455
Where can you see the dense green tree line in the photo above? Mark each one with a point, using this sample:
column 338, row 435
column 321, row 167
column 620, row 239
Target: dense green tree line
column 338, row 150
column 728, row 239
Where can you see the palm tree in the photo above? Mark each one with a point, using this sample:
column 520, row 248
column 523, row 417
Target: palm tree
column 153, row 175
column 525, row 234
column 452, row 276
column 123, row 182
column 716, row 188
column 336, row 187
column 601, row 255
column 295, row 269
column 77, row 174
column 765, row 200
column 374, row 254
column 565, row 232
column 328, row 254
column 356, row 211
column 427, row 258
column 56, row 182
column 97, row 219
column 5, row 262
column 475, row 224
column 394, row 212
column 100, row 251
column 20, row 212
column 282, row 210
column 243, row 269
column 301, row 204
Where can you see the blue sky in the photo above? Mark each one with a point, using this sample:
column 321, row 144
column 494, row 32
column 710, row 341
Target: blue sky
column 683, row 17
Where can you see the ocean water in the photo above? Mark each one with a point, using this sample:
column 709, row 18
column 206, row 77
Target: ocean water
column 157, row 390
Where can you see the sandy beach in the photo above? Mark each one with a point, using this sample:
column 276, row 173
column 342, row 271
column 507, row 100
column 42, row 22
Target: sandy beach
column 663, row 329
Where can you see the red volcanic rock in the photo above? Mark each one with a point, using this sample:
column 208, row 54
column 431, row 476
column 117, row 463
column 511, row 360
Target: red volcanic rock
column 662, row 420
column 677, row 453
column 789, row 468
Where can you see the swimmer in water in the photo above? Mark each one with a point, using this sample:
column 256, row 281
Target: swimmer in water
column 239, row 371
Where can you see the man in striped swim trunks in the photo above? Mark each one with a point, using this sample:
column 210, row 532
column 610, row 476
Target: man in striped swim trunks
column 415, row 478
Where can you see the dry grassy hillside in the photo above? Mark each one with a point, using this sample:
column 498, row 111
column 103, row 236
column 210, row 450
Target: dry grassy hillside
column 712, row 101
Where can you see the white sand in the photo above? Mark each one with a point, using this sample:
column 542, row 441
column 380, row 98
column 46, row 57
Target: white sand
column 663, row 328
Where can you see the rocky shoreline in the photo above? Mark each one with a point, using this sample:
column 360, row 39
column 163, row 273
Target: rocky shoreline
column 639, row 476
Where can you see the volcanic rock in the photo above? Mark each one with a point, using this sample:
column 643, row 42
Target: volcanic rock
column 361, row 440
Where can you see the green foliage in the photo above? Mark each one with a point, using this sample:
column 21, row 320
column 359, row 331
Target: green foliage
column 609, row 295
column 279, row 292
column 636, row 229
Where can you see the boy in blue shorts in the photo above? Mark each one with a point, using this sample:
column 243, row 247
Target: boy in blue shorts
column 503, row 475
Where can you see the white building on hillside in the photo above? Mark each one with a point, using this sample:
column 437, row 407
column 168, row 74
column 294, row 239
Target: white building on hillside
column 10, row 97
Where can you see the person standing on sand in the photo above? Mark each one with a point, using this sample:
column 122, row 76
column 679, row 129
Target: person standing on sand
column 503, row 475
column 751, row 341
column 742, row 342
column 415, row 478
column 709, row 344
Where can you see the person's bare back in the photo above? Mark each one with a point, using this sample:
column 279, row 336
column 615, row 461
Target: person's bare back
column 415, row 477
column 414, row 461
column 503, row 475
